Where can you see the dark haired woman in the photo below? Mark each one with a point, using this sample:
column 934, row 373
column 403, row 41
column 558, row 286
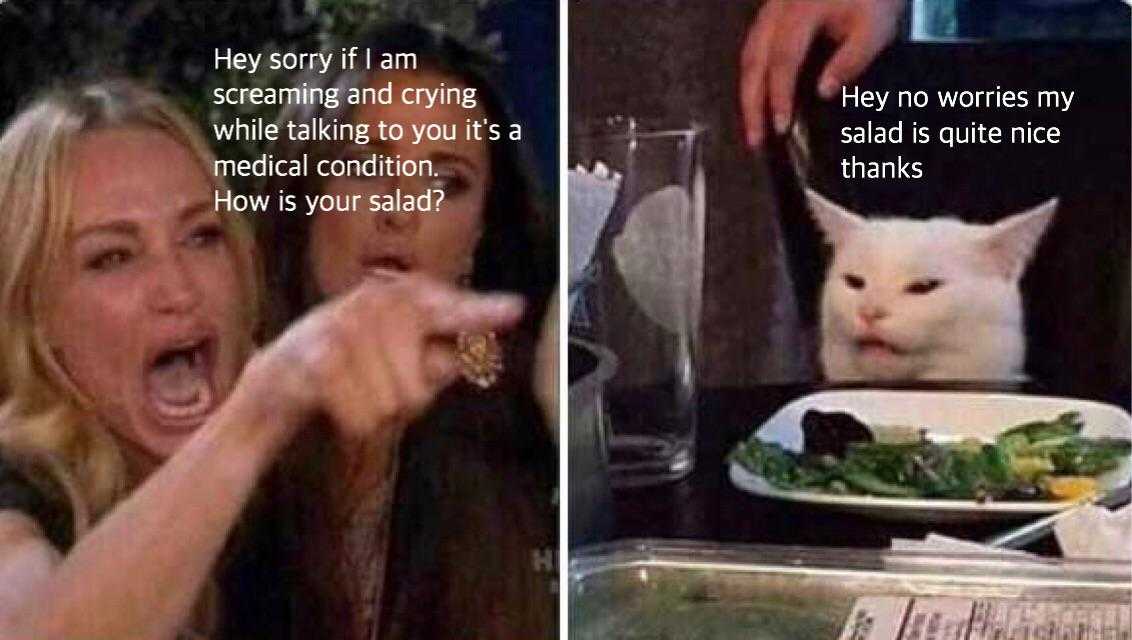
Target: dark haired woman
column 445, row 532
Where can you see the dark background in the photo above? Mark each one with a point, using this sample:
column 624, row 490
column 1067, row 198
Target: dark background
column 679, row 60
column 530, row 40
column 171, row 42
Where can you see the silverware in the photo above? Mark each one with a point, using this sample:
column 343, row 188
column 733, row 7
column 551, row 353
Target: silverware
column 1038, row 529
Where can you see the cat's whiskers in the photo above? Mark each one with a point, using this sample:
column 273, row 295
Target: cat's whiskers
column 938, row 297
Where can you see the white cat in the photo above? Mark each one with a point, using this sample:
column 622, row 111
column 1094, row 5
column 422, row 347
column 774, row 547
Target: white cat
column 930, row 299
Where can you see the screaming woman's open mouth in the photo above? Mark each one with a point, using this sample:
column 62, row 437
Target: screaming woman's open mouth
column 178, row 382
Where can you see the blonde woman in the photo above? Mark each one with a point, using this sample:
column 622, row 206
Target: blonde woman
column 131, row 433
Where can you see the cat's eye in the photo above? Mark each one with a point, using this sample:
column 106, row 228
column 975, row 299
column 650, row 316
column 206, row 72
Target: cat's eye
column 854, row 281
column 921, row 287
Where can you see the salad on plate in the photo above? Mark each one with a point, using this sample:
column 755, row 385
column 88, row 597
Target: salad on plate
column 1042, row 460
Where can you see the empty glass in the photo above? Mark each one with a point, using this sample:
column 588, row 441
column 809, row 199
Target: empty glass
column 636, row 277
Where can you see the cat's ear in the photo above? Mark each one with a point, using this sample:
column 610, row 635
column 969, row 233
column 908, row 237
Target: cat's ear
column 836, row 222
column 1010, row 242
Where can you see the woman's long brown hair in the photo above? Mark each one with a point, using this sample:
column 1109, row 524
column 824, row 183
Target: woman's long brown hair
column 474, row 525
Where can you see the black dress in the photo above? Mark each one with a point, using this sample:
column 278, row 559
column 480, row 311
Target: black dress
column 37, row 500
column 253, row 596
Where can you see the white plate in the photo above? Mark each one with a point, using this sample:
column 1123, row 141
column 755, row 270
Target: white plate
column 943, row 414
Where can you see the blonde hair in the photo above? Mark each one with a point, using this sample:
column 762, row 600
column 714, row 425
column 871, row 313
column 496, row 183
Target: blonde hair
column 45, row 421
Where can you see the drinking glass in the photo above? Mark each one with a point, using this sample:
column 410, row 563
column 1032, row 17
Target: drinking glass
column 637, row 285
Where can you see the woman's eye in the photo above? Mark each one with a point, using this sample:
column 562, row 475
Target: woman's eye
column 109, row 259
column 450, row 184
column 921, row 287
column 205, row 236
column 854, row 281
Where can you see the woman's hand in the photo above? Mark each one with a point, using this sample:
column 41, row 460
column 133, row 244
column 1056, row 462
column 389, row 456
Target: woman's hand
column 546, row 367
column 779, row 39
column 375, row 357
column 371, row 360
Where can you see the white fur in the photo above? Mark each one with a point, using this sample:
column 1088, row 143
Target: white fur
column 968, row 328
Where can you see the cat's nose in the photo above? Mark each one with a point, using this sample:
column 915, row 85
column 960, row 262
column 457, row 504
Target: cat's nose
column 871, row 314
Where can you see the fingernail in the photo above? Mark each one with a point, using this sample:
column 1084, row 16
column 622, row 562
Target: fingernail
column 827, row 87
column 507, row 303
column 781, row 123
column 754, row 139
column 385, row 275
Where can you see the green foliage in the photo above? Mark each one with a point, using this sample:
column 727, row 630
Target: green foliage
column 1011, row 468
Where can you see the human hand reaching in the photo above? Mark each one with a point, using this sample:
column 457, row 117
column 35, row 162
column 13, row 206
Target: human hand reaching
column 779, row 39
column 546, row 367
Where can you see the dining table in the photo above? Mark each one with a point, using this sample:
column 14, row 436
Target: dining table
column 706, row 506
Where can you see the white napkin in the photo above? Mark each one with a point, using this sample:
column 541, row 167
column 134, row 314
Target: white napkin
column 934, row 542
column 1096, row 532
column 591, row 196
column 1090, row 532
column 934, row 545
